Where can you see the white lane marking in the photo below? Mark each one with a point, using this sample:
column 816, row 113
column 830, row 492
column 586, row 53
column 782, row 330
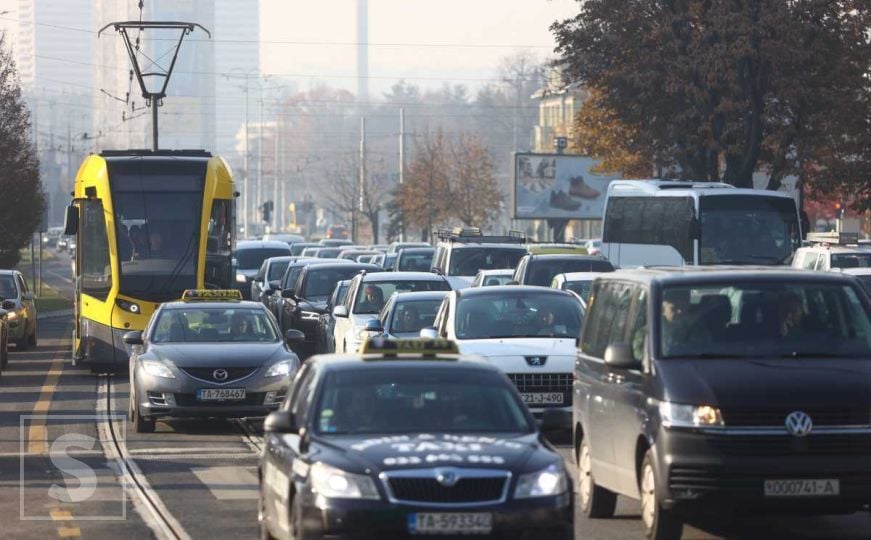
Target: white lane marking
column 190, row 450
column 194, row 457
column 68, row 452
column 229, row 483
column 151, row 509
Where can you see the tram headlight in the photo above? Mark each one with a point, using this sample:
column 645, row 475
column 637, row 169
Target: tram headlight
column 131, row 307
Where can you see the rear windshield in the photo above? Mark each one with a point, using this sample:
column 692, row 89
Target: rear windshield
column 319, row 284
column 470, row 260
column 253, row 258
column 403, row 400
column 276, row 270
column 542, row 271
column 415, row 262
column 790, row 320
column 410, row 317
column 581, row 288
column 373, row 296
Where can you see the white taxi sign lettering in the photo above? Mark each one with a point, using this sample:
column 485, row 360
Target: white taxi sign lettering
column 393, row 347
column 211, row 295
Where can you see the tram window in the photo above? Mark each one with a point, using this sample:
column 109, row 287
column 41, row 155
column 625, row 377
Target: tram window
column 220, row 244
column 96, row 272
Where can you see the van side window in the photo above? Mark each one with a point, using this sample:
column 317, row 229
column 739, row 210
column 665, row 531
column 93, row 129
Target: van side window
column 608, row 318
column 638, row 331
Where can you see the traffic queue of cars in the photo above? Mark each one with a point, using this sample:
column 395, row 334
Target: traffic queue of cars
column 680, row 387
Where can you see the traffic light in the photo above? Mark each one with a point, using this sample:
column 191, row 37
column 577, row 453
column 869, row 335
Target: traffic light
column 266, row 210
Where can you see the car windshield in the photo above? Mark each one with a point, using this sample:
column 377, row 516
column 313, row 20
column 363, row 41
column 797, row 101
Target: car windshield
column 328, row 253
column 542, row 271
column 209, row 325
column 851, row 260
column 764, row 319
column 403, row 400
column 251, row 258
column 518, row 315
column 866, row 282
column 415, row 261
column 297, row 248
column 490, row 281
column 7, row 288
column 409, row 317
column 469, row 260
column 319, row 283
column 581, row 288
column 276, row 270
column 372, row 296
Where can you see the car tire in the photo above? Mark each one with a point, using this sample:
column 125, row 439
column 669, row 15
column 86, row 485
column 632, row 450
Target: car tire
column 596, row 501
column 4, row 352
column 32, row 339
column 140, row 424
column 659, row 523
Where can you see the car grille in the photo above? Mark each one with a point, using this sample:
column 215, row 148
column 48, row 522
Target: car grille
column 207, row 374
column 786, row 445
column 466, row 490
column 190, row 400
column 822, row 417
column 544, row 382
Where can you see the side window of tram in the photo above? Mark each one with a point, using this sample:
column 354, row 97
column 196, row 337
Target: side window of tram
column 220, row 244
column 96, row 272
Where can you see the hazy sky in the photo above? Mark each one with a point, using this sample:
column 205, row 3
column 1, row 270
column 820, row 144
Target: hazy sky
column 428, row 42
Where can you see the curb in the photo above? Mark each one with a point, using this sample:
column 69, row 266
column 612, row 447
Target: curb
column 56, row 314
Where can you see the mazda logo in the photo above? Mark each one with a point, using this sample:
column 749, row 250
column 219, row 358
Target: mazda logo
column 447, row 477
column 536, row 361
column 220, row 374
column 799, row 424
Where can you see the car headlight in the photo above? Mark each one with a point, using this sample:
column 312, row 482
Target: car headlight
column 689, row 416
column 11, row 315
column 309, row 315
column 547, row 482
column 240, row 278
column 157, row 369
column 279, row 369
column 338, row 484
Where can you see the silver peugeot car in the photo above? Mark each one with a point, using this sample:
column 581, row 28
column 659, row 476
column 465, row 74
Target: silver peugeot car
column 209, row 356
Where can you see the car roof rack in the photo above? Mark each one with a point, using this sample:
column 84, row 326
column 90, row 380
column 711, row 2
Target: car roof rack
column 473, row 234
column 834, row 238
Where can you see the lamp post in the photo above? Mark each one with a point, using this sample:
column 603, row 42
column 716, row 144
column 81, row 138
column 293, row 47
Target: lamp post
column 246, row 75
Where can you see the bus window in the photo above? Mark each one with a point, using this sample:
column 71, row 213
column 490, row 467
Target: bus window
column 219, row 246
column 96, row 272
column 664, row 221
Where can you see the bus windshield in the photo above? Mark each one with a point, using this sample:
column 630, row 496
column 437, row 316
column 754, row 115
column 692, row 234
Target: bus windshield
column 742, row 229
column 157, row 207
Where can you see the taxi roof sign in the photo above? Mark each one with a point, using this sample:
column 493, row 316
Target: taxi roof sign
column 428, row 348
column 211, row 295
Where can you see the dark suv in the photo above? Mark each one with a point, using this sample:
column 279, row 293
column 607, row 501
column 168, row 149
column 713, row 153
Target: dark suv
column 541, row 269
column 751, row 385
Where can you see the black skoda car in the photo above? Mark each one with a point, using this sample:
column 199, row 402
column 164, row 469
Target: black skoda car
column 400, row 442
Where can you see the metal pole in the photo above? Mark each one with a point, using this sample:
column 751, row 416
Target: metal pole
column 154, row 123
column 275, row 216
column 260, row 151
column 362, row 181
column 32, row 263
column 401, row 166
column 245, row 166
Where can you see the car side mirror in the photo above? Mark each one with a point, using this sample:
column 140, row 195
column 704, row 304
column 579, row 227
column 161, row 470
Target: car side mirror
column 71, row 220
column 274, row 285
column 288, row 293
column 374, row 325
column 133, row 338
column 429, row 332
column 280, row 422
column 294, row 336
column 555, row 419
column 28, row 296
column 436, row 270
column 8, row 305
column 340, row 311
column 619, row 355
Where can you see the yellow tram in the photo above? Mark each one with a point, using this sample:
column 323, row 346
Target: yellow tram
column 148, row 225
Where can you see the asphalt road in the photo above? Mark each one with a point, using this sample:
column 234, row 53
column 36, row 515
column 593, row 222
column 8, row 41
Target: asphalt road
column 63, row 475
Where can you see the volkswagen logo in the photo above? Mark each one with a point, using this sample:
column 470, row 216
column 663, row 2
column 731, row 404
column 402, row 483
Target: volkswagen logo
column 536, row 361
column 220, row 374
column 799, row 424
column 447, row 477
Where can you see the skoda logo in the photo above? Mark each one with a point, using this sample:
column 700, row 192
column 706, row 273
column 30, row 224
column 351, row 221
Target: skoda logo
column 220, row 374
column 447, row 477
column 799, row 424
column 536, row 361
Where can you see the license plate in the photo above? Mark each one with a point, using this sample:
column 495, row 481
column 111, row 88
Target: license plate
column 220, row 394
column 542, row 398
column 802, row 488
column 450, row 523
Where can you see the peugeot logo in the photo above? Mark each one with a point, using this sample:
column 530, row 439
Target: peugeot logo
column 536, row 361
column 447, row 477
column 220, row 374
column 799, row 424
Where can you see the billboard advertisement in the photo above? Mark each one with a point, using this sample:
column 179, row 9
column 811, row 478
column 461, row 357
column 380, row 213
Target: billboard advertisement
column 555, row 186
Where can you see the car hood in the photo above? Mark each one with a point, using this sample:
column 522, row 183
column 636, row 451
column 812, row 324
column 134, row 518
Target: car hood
column 544, row 346
column 231, row 354
column 360, row 320
column 771, row 384
column 423, row 450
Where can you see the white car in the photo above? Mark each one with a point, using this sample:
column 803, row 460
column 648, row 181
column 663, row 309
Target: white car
column 530, row 333
column 580, row 283
column 490, row 278
column 367, row 295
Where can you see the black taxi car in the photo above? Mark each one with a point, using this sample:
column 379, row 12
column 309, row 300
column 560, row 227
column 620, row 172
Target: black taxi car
column 407, row 438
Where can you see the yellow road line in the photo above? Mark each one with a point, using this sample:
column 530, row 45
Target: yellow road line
column 58, row 514
column 68, row 532
column 36, row 434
